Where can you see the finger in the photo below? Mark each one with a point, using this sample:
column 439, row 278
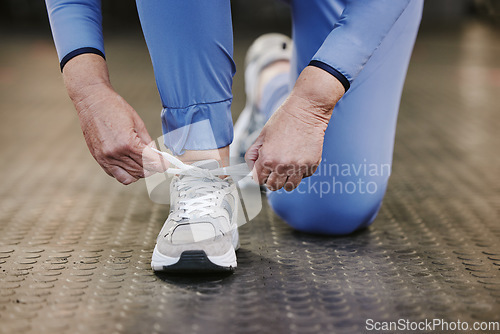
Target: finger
column 310, row 170
column 292, row 182
column 252, row 154
column 128, row 164
column 132, row 167
column 276, row 181
column 105, row 166
column 141, row 130
column 151, row 161
column 260, row 172
column 122, row 176
column 106, row 169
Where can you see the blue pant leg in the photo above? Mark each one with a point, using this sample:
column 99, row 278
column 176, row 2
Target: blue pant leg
column 346, row 191
column 191, row 48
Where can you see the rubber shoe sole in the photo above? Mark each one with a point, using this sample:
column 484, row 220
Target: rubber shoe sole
column 194, row 261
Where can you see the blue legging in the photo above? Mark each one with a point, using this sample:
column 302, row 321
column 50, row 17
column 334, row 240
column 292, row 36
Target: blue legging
column 346, row 192
column 365, row 44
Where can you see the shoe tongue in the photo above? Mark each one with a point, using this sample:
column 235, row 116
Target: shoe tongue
column 207, row 164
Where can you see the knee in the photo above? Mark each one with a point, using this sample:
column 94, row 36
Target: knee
column 337, row 215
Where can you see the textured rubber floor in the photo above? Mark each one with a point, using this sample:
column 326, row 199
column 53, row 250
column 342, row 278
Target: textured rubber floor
column 75, row 246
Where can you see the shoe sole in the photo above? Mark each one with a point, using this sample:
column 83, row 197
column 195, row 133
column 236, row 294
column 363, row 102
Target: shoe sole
column 194, row 261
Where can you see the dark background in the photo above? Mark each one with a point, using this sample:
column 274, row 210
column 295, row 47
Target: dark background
column 121, row 15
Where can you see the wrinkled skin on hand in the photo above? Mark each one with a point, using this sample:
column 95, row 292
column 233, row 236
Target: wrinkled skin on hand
column 117, row 137
column 290, row 145
column 288, row 148
column 115, row 134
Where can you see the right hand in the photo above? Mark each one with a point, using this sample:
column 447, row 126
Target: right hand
column 117, row 137
column 114, row 132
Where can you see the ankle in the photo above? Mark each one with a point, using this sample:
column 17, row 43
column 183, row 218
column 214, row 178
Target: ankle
column 221, row 155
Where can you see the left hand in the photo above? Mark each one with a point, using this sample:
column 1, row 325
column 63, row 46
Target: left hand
column 290, row 145
column 288, row 148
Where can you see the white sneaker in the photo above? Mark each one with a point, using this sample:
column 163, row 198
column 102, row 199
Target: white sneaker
column 264, row 51
column 201, row 231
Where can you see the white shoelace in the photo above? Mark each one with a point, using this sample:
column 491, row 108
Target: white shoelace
column 206, row 191
column 184, row 169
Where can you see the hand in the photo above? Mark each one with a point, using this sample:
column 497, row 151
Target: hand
column 115, row 134
column 288, row 148
column 290, row 145
column 117, row 137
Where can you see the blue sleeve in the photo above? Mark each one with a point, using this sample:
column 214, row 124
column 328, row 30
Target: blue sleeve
column 355, row 37
column 76, row 27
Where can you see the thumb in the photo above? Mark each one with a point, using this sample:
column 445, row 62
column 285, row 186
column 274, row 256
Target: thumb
column 152, row 161
column 141, row 130
column 252, row 156
column 253, row 152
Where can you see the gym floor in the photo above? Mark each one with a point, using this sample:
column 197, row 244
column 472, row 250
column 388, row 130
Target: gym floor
column 75, row 245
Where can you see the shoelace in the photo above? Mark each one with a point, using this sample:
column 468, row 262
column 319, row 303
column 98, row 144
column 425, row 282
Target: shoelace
column 206, row 191
column 184, row 169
